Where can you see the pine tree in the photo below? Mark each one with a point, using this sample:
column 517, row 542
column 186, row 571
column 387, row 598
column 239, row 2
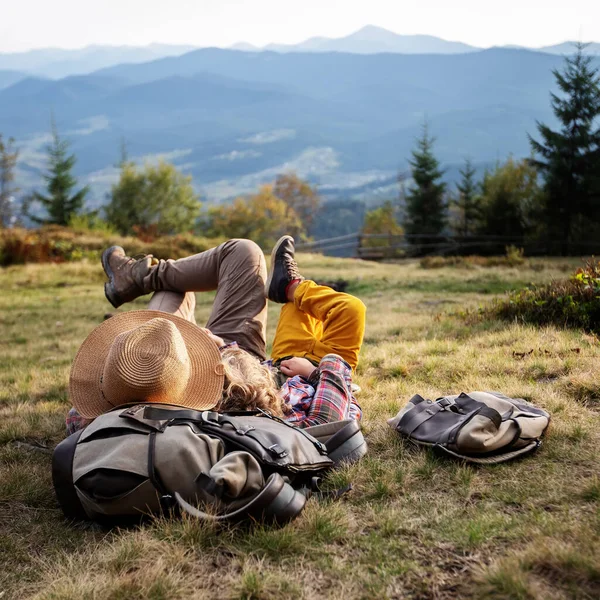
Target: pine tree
column 60, row 203
column 570, row 157
column 8, row 161
column 425, row 201
column 468, row 201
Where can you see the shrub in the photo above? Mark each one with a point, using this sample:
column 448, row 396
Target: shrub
column 62, row 244
column 514, row 257
column 574, row 302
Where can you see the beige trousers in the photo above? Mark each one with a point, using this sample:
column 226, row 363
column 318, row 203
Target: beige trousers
column 237, row 271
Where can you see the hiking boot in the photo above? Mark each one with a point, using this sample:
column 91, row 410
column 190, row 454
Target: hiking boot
column 283, row 271
column 125, row 275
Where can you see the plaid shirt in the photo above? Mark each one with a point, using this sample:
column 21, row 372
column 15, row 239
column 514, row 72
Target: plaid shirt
column 323, row 398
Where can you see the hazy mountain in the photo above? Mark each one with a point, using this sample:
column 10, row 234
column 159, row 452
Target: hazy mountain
column 373, row 40
column 234, row 120
column 8, row 78
column 57, row 63
column 569, row 48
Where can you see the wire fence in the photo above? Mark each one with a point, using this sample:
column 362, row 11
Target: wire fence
column 386, row 246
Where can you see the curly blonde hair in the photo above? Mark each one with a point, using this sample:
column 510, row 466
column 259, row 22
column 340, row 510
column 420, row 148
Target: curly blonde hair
column 248, row 385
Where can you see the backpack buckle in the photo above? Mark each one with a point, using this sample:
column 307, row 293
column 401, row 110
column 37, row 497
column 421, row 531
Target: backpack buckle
column 445, row 402
column 278, row 451
column 210, row 416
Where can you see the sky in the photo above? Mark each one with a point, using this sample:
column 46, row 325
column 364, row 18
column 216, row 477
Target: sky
column 27, row 24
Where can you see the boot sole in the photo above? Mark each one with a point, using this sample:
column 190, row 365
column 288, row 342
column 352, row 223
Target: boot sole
column 272, row 266
column 109, row 288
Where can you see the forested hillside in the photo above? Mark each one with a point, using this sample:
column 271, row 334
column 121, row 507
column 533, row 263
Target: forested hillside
column 235, row 119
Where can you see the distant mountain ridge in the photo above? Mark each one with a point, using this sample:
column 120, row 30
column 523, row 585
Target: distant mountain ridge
column 374, row 40
column 234, row 120
column 56, row 63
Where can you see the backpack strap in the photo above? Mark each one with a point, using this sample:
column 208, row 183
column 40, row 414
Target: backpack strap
column 421, row 413
column 166, row 498
column 62, row 477
column 277, row 502
column 344, row 440
column 154, row 414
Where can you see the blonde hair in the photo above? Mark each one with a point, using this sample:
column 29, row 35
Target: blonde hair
column 248, row 385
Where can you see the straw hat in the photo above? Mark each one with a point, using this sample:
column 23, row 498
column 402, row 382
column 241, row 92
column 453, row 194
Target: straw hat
column 146, row 356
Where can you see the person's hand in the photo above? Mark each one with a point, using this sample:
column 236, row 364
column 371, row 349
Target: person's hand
column 216, row 339
column 297, row 366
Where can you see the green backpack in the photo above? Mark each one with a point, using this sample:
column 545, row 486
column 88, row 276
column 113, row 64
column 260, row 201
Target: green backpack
column 478, row 427
column 147, row 459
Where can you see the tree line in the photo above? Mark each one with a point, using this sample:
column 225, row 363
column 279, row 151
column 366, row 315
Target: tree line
column 551, row 199
column 154, row 200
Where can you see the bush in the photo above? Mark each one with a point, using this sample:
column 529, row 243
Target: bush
column 514, row 257
column 574, row 302
column 62, row 244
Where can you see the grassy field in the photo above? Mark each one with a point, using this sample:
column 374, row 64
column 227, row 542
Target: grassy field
column 415, row 525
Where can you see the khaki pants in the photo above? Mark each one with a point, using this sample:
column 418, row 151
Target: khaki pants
column 320, row 321
column 237, row 271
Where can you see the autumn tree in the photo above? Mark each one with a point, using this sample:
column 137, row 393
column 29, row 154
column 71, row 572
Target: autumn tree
column 152, row 200
column 60, row 202
column 8, row 162
column 569, row 157
column 263, row 217
column 381, row 221
column 301, row 198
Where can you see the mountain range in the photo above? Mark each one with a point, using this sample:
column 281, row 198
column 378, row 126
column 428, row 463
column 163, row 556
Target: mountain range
column 234, row 120
column 56, row 63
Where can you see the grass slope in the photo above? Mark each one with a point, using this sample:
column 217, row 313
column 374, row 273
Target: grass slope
column 415, row 526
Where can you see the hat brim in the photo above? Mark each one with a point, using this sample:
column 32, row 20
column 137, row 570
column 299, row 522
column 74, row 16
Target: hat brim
column 205, row 385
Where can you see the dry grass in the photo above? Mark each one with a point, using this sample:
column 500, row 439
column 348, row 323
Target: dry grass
column 415, row 525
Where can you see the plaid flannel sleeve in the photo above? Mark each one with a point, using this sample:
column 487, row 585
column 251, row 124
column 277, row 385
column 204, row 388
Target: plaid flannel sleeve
column 333, row 399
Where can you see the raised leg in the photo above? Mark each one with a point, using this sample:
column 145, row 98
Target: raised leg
column 318, row 322
column 181, row 304
column 237, row 271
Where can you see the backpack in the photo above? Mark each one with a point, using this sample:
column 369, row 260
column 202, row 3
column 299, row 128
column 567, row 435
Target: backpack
column 479, row 427
column 147, row 459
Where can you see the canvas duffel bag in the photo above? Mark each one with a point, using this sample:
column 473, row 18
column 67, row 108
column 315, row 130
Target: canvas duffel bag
column 479, row 427
column 147, row 458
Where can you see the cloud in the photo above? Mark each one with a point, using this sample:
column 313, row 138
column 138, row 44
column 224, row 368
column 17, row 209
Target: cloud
column 268, row 137
column 238, row 155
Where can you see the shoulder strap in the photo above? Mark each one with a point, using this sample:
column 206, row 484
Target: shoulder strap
column 344, row 440
column 155, row 414
column 62, row 477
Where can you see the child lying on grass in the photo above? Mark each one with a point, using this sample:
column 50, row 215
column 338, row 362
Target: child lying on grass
column 317, row 341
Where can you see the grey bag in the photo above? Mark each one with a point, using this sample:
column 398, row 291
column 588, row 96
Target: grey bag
column 479, row 427
column 147, row 458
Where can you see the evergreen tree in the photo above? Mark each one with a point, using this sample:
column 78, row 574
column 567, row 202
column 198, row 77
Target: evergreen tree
column 60, row 202
column 569, row 158
column 468, row 201
column 425, row 201
column 8, row 161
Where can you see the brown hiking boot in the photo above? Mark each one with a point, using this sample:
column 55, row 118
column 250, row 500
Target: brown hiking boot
column 125, row 275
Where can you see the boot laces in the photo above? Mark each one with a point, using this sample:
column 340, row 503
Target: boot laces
column 135, row 258
column 291, row 267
